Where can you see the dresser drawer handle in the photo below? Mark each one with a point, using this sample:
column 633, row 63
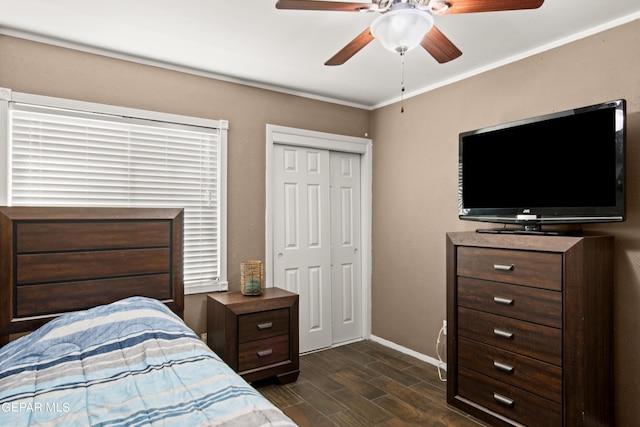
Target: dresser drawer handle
column 264, row 353
column 503, row 400
column 502, row 334
column 503, row 300
column 503, row 267
column 267, row 325
column 503, row 367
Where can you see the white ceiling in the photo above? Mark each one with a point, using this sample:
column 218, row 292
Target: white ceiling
column 251, row 42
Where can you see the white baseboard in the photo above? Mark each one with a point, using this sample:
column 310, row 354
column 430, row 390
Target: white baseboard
column 408, row 351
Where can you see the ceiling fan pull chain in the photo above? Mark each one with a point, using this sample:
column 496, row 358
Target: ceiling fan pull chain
column 402, row 82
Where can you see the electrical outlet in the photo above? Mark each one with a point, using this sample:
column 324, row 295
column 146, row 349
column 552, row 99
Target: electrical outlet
column 444, row 327
column 203, row 337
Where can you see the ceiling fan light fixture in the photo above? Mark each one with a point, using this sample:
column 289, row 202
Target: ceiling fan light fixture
column 401, row 30
column 439, row 7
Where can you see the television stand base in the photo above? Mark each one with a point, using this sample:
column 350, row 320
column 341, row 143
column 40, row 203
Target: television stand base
column 537, row 231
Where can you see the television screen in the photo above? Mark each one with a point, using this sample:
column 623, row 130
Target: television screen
column 561, row 168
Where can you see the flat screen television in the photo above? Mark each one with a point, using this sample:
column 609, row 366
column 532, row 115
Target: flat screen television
column 561, row 168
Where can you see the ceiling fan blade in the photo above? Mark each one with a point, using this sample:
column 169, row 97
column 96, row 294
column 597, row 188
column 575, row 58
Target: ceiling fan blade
column 324, row 5
column 472, row 6
column 353, row 47
column 439, row 46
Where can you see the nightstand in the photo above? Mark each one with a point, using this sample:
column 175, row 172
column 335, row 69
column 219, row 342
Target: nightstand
column 256, row 335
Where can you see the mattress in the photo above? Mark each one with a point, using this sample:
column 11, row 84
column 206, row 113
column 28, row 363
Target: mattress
column 129, row 363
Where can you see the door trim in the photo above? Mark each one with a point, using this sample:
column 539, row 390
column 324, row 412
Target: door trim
column 332, row 142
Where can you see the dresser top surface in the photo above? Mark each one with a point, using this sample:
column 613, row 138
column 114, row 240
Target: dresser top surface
column 517, row 241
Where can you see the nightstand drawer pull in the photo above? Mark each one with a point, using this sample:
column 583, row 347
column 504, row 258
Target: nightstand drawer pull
column 264, row 353
column 503, row 267
column 267, row 325
column 503, row 400
column 502, row 334
column 503, row 300
column 503, row 367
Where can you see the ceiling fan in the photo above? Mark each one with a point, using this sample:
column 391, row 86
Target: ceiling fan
column 403, row 24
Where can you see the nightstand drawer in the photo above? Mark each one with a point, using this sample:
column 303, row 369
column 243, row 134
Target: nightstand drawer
column 254, row 354
column 520, row 302
column 264, row 324
column 529, row 339
column 536, row 269
column 535, row 376
column 512, row 402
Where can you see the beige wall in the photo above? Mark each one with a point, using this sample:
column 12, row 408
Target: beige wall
column 417, row 151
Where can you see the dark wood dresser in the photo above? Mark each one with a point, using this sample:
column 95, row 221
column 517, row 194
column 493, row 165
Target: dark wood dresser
column 530, row 328
column 256, row 335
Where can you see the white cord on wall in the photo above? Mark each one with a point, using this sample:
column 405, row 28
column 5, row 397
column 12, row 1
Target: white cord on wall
column 442, row 365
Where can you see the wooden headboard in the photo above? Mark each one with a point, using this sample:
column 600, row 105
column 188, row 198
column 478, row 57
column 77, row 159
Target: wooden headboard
column 57, row 260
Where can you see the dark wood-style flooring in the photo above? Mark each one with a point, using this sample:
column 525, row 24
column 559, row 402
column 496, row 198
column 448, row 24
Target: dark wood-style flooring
column 365, row 384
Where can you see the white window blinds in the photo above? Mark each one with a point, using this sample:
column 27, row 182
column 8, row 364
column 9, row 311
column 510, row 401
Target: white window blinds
column 62, row 157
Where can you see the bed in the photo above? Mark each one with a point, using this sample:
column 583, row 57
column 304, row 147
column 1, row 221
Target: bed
column 103, row 290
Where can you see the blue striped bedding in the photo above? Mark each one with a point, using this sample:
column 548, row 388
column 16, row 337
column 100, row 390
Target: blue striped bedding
column 130, row 363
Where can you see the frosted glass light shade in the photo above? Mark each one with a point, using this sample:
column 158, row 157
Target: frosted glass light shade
column 401, row 30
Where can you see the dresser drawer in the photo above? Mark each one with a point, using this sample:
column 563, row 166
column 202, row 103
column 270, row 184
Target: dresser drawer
column 512, row 402
column 520, row 302
column 529, row 339
column 540, row 378
column 255, row 354
column 263, row 324
column 536, row 269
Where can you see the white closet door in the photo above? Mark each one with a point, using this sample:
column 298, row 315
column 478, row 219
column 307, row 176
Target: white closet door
column 345, row 247
column 302, row 238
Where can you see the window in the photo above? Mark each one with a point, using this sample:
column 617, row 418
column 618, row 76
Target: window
column 67, row 153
